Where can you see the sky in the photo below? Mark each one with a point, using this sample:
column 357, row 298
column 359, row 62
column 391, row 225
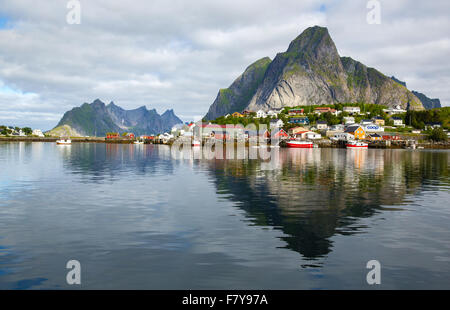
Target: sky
column 177, row 54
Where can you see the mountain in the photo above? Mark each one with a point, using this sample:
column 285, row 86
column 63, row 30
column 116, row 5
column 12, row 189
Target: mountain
column 96, row 119
column 427, row 103
column 310, row 72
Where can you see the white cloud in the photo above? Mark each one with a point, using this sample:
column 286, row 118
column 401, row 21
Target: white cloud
column 178, row 54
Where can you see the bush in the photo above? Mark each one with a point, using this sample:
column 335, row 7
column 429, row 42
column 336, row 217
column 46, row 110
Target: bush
column 438, row 134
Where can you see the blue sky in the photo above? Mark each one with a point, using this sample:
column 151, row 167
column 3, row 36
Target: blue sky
column 178, row 54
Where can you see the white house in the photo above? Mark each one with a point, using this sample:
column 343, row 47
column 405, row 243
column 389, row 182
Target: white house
column 397, row 110
column 349, row 120
column 373, row 128
column 260, row 114
column 272, row 113
column 322, row 125
column 276, row 123
column 313, row 135
column 38, row 132
column 352, row 110
column 398, row 121
column 344, row 136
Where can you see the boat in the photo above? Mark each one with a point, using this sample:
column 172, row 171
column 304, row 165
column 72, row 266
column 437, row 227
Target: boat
column 356, row 145
column 138, row 142
column 196, row 143
column 64, row 142
column 300, row 144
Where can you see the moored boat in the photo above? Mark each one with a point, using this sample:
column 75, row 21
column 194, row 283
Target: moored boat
column 138, row 142
column 196, row 143
column 300, row 144
column 64, row 142
column 356, row 145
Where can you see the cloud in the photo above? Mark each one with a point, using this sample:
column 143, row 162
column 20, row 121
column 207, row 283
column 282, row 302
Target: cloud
column 177, row 54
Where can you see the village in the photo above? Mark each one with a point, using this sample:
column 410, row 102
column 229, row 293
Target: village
column 337, row 125
column 315, row 126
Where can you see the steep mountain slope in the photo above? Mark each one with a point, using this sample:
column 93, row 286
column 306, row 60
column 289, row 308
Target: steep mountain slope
column 427, row 102
column 96, row 119
column 311, row 72
column 237, row 96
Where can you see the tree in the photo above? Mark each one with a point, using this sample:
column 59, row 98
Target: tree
column 27, row 130
column 438, row 134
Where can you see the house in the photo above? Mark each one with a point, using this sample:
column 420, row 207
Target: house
column 374, row 137
column 297, row 130
column 357, row 131
column 337, row 127
column 390, row 137
column 237, row 114
column 321, row 110
column 279, row 134
column 321, row 125
column 373, row 128
column 276, row 123
column 396, row 110
column 112, row 135
column 272, row 113
column 366, row 122
column 415, row 131
column 352, row 110
column 432, row 125
column 246, row 113
column 398, row 121
column 217, row 131
column 130, row 135
column 38, row 132
column 296, row 111
column 343, row 136
column 313, row 135
column 299, row 120
column 378, row 120
column 227, row 116
column 260, row 114
column 349, row 120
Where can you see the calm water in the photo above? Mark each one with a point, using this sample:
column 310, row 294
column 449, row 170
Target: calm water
column 137, row 217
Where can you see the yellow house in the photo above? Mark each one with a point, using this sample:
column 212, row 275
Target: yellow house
column 375, row 137
column 357, row 131
column 237, row 114
column 378, row 120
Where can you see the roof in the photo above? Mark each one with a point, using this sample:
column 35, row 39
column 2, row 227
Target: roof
column 375, row 135
column 322, row 122
column 351, row 128
column 377, row 117
column 397, row 118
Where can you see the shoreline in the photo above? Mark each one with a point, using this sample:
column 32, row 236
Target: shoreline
column 321, row 144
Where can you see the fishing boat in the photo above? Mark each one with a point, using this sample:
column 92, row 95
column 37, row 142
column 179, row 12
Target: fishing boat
column 356, row 145
column 300, row 144
column 196, row 143
column 64, row 142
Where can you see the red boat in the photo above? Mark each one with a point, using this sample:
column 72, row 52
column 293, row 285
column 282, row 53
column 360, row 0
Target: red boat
column 354, row 144
column 300, row 144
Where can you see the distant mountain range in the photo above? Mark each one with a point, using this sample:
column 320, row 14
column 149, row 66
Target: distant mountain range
column 310, row 72
column 427, row 103
column 97, row 119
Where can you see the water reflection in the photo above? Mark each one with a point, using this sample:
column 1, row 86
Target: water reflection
column 312, row 195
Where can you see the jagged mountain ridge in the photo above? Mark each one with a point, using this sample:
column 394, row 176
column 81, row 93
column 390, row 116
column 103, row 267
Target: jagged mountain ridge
column 311, row 72
column 427, row 102
column 97, row 119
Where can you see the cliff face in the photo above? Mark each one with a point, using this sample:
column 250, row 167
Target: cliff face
column 311, row 72
column 96, row 119
column 237, row 96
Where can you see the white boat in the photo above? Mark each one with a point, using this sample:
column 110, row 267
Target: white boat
column 196, row 143
column 138, row 142
column 64, row 142
column 356, row 145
